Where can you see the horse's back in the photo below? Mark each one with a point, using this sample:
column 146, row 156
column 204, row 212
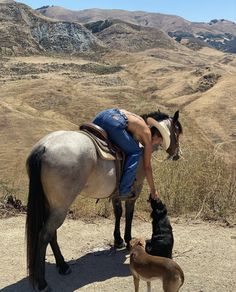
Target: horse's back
column 71, row 141
column 67, row 150
column 70, row 165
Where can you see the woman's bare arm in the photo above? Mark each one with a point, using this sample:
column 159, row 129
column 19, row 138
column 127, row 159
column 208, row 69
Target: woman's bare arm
column 147, row 141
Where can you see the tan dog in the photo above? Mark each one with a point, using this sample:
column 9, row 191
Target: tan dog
column 148, row 268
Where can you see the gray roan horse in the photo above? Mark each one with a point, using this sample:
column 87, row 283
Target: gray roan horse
column 61, row 166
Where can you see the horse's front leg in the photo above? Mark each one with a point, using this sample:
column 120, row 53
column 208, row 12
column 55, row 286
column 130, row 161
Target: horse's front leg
column 117, row 207
column 129, row 212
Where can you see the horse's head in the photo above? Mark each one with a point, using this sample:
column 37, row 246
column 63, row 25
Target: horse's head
column 175, row 129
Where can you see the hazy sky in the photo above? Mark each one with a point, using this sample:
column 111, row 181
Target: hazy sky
column 193, row 10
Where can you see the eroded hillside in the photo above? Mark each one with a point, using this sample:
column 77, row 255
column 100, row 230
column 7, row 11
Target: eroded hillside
column 23, row 31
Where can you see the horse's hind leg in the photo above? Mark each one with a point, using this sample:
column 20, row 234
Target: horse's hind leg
column 117, row 207
column 129, row 212
column 46, row 235
column 44, row 238
column 63, row 267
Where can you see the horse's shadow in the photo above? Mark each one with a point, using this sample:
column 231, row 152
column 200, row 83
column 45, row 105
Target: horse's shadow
column 92, row 267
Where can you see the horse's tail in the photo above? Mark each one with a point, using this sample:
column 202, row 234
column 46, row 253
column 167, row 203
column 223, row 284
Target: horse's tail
column 36, row 213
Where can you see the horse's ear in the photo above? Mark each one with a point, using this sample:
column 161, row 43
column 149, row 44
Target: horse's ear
column 176, row 116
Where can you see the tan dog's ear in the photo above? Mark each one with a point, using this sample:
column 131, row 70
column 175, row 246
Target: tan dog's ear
column 142, row 242
column 133, row 242
column 137, row 241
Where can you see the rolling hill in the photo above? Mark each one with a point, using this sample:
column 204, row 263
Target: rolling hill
column 120, row 35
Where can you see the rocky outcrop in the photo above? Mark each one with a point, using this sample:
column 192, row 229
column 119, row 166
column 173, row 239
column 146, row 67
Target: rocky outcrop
column 64, row 37
column 24, row 31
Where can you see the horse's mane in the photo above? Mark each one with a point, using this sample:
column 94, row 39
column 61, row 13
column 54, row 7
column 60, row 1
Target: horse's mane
column 160, row 116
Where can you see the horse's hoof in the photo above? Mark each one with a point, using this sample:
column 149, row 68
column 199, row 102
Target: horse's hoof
column 128, row 246
column 64, row 270
column 120, row 245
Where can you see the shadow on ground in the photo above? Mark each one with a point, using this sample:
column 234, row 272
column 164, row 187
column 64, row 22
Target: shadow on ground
column 92, row 267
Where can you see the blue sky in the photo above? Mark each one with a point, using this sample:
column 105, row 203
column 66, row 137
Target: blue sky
column 193, row 10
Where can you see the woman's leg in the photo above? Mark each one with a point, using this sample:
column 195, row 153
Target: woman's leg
column 115, row 124
column 133, row 152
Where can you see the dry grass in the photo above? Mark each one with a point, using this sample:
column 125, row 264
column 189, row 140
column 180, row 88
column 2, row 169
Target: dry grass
column 200, row 184
column 34, row 103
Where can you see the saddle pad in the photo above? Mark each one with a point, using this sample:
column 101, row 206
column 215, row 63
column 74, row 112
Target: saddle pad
column 103, row 154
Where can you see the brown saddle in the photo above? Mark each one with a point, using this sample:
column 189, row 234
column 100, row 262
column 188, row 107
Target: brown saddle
column 100, row 137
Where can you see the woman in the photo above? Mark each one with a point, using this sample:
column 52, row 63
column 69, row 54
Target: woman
column 127, row 130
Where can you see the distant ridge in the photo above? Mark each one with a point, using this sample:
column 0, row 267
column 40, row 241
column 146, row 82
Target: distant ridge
column 6, row 1
column 24, row 31
column 219, row 34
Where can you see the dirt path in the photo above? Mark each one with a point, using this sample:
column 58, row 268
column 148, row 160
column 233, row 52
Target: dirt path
column 206, row 252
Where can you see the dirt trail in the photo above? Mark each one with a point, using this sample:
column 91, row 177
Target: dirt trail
column 206, row 252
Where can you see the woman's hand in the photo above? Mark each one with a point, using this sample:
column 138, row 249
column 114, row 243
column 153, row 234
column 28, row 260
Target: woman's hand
column 155, row 195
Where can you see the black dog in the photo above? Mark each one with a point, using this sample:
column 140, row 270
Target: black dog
column 162, row 240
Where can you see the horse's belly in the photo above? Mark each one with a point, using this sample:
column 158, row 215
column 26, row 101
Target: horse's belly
column 102, row 180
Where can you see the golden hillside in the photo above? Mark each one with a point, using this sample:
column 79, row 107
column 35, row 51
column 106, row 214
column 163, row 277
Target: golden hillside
column 40, row 94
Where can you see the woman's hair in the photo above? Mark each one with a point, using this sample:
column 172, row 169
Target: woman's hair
column 158, row 116
column 154, row 131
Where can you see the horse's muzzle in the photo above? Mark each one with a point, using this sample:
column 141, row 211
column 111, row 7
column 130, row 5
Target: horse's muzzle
column 176, row 156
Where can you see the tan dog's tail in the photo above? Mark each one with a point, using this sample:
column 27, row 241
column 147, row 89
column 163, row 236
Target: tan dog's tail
column 182, row 277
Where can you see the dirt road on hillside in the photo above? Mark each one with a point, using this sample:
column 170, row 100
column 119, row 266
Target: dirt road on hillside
column 206, row 252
